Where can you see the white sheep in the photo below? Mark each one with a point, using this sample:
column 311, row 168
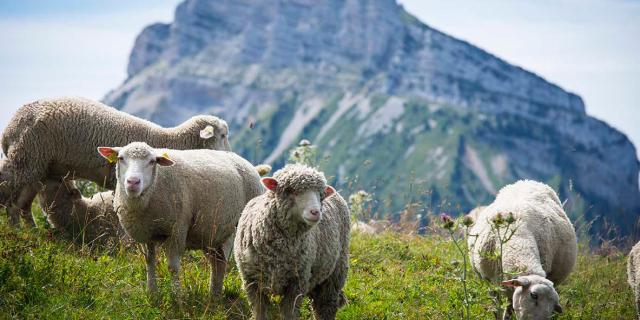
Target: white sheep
column 294, row 241
column 633, row 274
column 183, row 199
column 55, row 138
column 372, row 227
column 85, row 220
column 541, row 252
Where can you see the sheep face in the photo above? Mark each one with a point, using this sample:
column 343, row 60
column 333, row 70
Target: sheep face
column 215, row 133
column 306, row 205
column 136, row 166
column 534, row 297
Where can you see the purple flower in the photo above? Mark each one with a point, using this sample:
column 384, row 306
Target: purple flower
column 447, row 221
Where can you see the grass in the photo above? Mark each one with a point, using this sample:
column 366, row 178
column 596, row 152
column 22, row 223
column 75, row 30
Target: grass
column 392, row 276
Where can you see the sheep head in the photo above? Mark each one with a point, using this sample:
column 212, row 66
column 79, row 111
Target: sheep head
column 136, row 166
column 303, row 188
column 534, row 297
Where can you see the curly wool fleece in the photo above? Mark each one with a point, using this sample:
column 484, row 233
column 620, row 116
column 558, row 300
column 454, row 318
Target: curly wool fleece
column 300, row 178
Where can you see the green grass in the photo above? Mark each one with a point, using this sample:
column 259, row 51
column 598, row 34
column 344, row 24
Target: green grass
column 392, row 276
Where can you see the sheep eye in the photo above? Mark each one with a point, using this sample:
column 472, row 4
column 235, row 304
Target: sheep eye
column 224, row 135
column 534, row 295
column 152, row 161
column 120, row 158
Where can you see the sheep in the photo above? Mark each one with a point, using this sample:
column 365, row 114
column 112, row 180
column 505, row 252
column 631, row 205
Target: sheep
column 86, row 220
column 53, row 138
column 294, row 241
column 633, row 273
column 542, row 250
column 372, row 227
column 183, row 199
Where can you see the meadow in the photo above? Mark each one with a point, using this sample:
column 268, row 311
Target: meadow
column 392, row 276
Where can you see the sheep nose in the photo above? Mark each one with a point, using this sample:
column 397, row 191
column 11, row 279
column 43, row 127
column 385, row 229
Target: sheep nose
column 314, row 212
column 133, row 181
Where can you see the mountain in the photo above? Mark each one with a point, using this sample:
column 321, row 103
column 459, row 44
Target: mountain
column 394, row 106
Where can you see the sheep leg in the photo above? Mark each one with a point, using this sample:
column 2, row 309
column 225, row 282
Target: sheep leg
column 174, row 253
column 258, row 300
column 291, row 301
column 24, row 203
column 25, row 182
column 150, row 258
column 14, row 216
column 22, row 206
column 327, row 297
column 218, row 263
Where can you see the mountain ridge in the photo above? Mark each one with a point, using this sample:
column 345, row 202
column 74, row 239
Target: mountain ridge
column 361, row 79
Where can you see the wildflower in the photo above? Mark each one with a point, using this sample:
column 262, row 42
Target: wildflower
column 498, row 220
column 510, row 218
column 447, row 221
column 467, row 221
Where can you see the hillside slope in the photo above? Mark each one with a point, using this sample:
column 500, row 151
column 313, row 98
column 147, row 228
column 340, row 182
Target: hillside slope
column 414, row 114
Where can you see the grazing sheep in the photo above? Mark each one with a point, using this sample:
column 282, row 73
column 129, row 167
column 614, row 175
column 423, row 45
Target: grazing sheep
column 189, row 199
column 54, row 138
column 633, row 273
column 371, row 227
column 542, row 250
column 294, row 241
column 85, row 220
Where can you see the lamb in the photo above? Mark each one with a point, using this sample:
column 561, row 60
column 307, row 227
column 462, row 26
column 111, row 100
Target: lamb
column 542, row 250
column 54, row 138
column 85, row 220
column 189, row 199
column 633, row 273
column 294, row 241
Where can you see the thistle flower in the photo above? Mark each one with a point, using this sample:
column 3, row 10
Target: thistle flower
column 498, row 220
column 510, row 218
column 467, row 221
column 447, row 221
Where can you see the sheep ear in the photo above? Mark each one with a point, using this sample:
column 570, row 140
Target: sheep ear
column 517, row 282
column 164, row 160
column 207, row 132
column 557, row 308
column 329, row 190
column 270, row 183
column 111, row 154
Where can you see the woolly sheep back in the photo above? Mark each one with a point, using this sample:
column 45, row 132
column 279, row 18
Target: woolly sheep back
column 544, row 241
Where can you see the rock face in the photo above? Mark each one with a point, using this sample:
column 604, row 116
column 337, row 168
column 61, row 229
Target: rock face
column 396, row 107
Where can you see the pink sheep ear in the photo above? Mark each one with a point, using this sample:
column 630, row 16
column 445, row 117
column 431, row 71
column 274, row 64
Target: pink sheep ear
column 517, row 282
column 111, row 154
column 329, row 190
column 270, row 183
column 164, row 160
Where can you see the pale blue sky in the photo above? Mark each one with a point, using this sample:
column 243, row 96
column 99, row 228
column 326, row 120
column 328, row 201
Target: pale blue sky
column 591, row 47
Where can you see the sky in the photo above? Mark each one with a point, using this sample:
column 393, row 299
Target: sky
column 590, row 47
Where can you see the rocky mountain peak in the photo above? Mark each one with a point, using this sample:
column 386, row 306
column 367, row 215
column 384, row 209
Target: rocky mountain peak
column 368, row 82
